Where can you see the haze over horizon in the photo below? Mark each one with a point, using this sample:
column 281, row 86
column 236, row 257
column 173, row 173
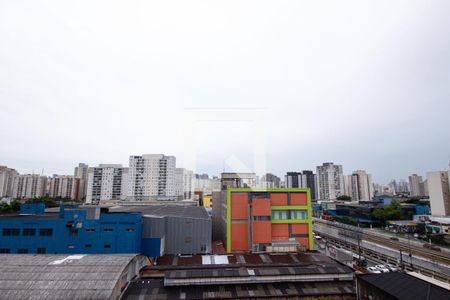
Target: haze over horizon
column 365, row 85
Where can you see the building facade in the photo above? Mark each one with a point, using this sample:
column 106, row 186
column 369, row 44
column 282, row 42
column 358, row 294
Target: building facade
column 251, row 220
column 106, row 182
column 7, row 176
column 71, row 230
column 238, row 180
column 416, row 185
column 81, row 171
column 361, row 186
column 269, row 181
column 29, row 186
column 172, row 229
column 184, row 184
column 438, row 187
column 64, row 186
column 152, row 177
column 330, row 181
column 304, row 179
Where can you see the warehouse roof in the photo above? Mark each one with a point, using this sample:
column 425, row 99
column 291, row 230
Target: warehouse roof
column 242, row 276
column 403, row 286
column 155, row 289
column 24, row 276
column 165, row 210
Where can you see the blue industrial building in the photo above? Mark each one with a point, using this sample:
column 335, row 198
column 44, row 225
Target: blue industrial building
column 152, row 230
column 71, row 230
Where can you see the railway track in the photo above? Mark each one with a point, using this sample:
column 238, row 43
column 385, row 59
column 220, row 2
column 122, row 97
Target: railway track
column 397, row 245
column 425, row 253
column 383, row 258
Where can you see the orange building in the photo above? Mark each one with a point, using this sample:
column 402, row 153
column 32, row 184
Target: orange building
column 250, row 220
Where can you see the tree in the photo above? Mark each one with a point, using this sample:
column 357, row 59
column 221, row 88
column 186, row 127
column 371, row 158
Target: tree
column 13, row 206
column 344, row 198
column 389, row 212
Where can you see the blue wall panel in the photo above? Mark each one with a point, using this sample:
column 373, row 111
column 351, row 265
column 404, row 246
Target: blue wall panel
column 151, row 247
column 73, row 233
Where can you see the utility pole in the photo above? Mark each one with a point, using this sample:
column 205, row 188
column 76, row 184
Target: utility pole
column 410, row 254
column 401, row 260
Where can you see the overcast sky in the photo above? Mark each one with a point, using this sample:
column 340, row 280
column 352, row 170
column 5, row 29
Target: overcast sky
column 365, row 84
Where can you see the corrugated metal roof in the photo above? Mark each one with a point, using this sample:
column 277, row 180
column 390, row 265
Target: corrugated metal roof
column 404, row 287
column 155, row 289
column 170, row 210
column 27, row 276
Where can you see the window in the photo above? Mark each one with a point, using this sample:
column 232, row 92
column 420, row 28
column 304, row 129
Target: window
column 11, row 231
column 130, row 229
column 5, row 250
column 45, row 232
column 90, row 229
column 299, row 214
column 107, row 229
column 40, row 251
column 107, row 246
column 29, row 231
column 88, row 246
column 22, row 251
column 280, row 215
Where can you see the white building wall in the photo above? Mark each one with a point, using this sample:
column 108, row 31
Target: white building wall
column 331, row 181
column 105, row 183
column 29, row 186
column 82, row 173
column 7, row 176
column 438, row 187
column 151, row 177
column 184, row 184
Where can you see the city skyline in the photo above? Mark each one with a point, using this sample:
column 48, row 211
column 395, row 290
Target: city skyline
column 261, row 177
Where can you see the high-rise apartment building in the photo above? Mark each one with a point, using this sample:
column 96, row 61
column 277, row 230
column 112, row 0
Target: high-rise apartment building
column 360, row 186
column 106, row 182
column 184, row 182
column 64, row 186
column 152, row 177
column 82, row 172
column 330, row 180
column 416, row 185
column 29, row 186
column 304, row 179
column 293, row 179
column 7, row 176
column 269, row 181
column 439, row 190
column 309, row 180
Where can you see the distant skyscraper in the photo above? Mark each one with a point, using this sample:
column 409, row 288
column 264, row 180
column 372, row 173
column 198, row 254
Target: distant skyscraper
column 7, row 176
column 331, row 181
column 309, row 180
column 82, row 172
column 361, row 186
column 439, row 189
column 106, row 182
column 29, row 186
column 416, row 187
column 293, row 179
column 348, row 186
column 64, row 186
column 184, row 181
column 152, row 177
column 269, row 181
